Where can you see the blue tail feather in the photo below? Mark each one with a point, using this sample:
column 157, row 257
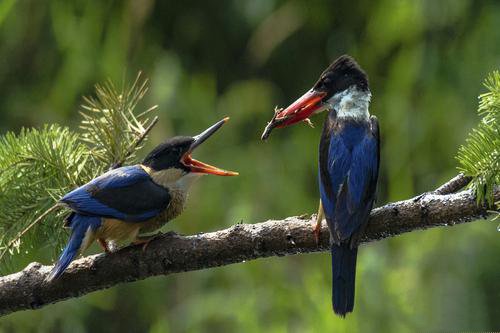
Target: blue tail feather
column 79, row 225
column 343, row 277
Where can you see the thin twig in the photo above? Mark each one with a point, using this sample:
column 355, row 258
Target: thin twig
column 453, row 185
column 135, row 144
column 25, row 230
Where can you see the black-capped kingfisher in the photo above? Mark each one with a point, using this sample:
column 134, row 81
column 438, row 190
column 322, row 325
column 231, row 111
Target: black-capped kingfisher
column 348, row 165
column 126, row 202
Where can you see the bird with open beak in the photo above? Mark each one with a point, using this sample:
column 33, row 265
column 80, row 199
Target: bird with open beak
column 126, row 202
column 348, row 165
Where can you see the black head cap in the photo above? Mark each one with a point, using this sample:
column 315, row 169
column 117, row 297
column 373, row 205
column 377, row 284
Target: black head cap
column 169, row 154
column 343, row 73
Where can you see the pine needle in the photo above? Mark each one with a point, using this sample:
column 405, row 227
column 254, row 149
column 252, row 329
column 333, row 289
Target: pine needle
column 38, row 166
column 480, row 156
column 28, row 228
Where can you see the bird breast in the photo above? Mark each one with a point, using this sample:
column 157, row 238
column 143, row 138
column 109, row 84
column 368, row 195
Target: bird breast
column 177, row 202
column 178, row 189
column 177, row 182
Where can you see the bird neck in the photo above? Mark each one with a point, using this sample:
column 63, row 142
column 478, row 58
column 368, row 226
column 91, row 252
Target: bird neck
column 351, row 103
column 185, row 182
column 173, row 178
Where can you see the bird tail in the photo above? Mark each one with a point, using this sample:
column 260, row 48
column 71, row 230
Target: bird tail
column 79, row 225
column 343, row 277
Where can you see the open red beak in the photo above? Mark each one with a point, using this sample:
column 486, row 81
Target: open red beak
column 200, row 167
column 299, row 110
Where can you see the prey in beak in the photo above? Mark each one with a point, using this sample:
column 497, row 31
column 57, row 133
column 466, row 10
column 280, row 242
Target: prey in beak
column 197, row 166
column 300, row 110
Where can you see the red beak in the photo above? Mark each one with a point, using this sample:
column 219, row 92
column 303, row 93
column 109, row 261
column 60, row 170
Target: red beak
column 200, row 167
column 299, row 110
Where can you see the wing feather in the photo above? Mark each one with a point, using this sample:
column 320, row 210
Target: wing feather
column 126, row 193
column 348, row 186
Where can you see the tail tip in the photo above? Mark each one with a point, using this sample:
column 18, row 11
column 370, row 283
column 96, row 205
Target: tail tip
column 341, row 312
column 54, row 274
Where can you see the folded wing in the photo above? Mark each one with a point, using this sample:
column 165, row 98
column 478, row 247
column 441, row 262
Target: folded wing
column 348, row 184
column 127, row 193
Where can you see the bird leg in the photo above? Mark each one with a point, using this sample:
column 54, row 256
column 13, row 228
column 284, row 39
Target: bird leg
column 319, row 218
column 102, row 242
column 144, row 240
column 317, row 228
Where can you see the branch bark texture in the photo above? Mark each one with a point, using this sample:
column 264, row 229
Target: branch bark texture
column 172, row 253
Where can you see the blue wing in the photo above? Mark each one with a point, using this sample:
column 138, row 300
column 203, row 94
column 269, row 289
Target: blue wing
column 127, row 193
column 348, row 175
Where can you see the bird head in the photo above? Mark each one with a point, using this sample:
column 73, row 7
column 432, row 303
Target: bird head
column 342, row 79
column 172, row 159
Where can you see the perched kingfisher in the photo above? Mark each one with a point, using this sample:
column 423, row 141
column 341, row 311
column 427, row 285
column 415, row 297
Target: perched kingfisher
column 348, row 165
column 126, row 202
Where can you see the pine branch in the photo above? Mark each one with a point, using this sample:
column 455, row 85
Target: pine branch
column 480, row 157
column 109, row 124
column 172, row 253
column 28, row 228
column 39, row 166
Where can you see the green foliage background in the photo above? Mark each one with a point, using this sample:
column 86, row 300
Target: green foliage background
column 206, row 60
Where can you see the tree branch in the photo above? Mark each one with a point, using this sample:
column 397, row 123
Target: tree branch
column 453, row 185
column 172, row 253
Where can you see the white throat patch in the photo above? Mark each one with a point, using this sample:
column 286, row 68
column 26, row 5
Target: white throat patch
column 173, row 178
column 351, row 103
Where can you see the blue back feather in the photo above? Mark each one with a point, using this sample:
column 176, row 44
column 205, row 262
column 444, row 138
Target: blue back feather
column 348, row 175
column 83, row 200
column 353, row 169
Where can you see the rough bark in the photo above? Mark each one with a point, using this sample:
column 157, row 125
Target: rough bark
column 172, row 253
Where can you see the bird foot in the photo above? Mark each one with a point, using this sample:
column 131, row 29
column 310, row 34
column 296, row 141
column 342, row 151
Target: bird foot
column 144, row 240
column 102, row 242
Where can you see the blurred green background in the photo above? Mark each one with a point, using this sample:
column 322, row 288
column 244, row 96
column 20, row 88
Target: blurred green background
column 208, row 59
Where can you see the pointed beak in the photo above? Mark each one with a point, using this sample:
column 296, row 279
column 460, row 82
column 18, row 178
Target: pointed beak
column 200, row 167
column 299, row 110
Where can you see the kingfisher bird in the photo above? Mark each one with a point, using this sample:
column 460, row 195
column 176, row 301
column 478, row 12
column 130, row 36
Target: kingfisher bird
column 126, row 202
column 349, row 155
